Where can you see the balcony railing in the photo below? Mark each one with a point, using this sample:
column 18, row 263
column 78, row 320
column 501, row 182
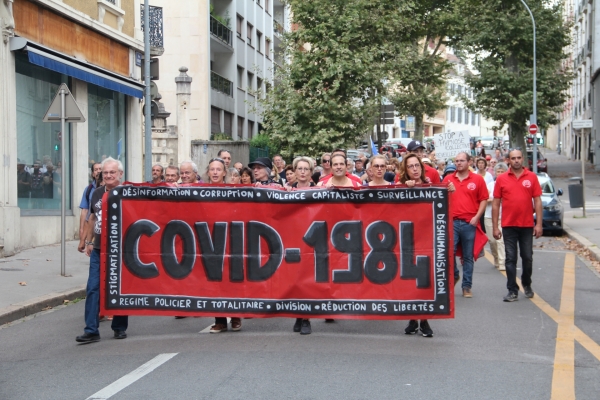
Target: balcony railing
column 220, row 31
column 278, row 28
column 220, row 84
column 156, row 26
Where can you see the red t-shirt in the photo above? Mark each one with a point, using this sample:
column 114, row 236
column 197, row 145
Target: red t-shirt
column 354, row 178
column 469, row 194
column 517, row 195
column 432, row 174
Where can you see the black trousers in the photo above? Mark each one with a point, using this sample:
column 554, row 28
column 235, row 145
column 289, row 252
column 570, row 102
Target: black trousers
column 523, row 237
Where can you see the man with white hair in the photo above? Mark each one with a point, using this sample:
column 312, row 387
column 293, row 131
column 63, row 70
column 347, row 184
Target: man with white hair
column 112, row 174
column 188, row 170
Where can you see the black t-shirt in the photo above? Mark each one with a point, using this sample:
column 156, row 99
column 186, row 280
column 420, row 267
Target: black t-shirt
column 295, row 184
column 96, row 209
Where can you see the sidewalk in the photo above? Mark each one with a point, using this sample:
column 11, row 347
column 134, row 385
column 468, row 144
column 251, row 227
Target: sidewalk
column 586, row 230
column 39, row 269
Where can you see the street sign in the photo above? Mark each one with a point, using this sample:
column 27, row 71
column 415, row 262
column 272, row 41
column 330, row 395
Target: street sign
column 72, row 111
column 533, row 128
column 583, row 124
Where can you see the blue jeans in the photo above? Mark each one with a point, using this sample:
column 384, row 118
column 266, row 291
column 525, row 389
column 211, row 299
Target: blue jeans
column 524, row 238
column 92, row 300
column 464, row 233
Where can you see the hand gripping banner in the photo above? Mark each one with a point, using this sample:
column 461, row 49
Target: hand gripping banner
column 372, row 253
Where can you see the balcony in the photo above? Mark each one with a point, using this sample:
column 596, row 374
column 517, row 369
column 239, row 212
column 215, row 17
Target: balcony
column 220, row 84
column 278, row 28
column 156, row 28
column 221, row 32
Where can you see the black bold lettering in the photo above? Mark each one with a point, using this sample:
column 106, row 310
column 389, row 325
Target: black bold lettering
column 174, row 268
column 212, row 248
column 408, row 270
column 131, row 257
column 255, row 271
column 236, row 250
column 346, row 236
column 316, row 237
column 381, row 252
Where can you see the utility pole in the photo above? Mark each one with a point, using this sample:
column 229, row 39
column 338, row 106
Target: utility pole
column 533, row 120
column 147, row 100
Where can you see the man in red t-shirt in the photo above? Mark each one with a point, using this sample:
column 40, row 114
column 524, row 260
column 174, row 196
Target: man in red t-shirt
column 418, row 148
column 326, row 178
column 468, row 205
column 516, row 190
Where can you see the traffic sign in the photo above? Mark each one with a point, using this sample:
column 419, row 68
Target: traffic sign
column 72, row 111
column 533, row 128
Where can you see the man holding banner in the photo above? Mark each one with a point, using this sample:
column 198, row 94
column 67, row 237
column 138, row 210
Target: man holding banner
column 112, row 173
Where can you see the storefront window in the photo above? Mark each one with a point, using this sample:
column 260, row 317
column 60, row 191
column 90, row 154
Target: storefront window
column 106, row 125
column 39, row 169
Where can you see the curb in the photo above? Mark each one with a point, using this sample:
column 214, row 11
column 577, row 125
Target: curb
column 594, row 251
column 28, row 307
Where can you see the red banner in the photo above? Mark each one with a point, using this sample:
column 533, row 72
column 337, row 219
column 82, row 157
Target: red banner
column 376, row 253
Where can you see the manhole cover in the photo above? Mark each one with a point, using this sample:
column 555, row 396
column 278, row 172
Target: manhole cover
column 10, row 269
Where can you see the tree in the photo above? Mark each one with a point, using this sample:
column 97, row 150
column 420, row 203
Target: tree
column 340, row 54
column 501, row 43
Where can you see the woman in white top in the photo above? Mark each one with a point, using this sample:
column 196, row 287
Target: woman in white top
column 378, row 166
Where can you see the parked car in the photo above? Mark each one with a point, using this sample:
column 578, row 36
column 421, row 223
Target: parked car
column 542, row 162
column 488, row 142
column 552, row 219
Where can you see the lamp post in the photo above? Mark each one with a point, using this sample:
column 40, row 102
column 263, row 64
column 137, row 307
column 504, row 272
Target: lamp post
column 147, row 99
column 533, row 120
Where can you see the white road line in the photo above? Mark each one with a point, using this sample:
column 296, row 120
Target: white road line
column 131, row 377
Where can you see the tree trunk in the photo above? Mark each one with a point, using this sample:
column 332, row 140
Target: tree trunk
column 517, row 136
column 419, row 128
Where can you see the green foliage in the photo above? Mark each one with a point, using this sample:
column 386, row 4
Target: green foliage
column 263, row 140
column 327, row 95
column 502, row 44
column 220, row 136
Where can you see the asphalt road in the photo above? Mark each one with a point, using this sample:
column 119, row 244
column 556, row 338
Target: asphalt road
column 546, row 348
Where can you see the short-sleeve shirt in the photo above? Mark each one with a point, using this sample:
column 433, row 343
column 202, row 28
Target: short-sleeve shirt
column 87, row 196
column 469, row 194
column 96, row 209
column 517, row 195
column 432, row 174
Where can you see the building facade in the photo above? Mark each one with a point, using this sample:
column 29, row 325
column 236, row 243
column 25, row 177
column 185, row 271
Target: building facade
column 91, row 46
column 229, row 48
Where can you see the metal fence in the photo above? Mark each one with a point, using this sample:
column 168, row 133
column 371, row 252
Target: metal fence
column 256, row 152
column 156, row 25
column 221, row 84
column 220, row 31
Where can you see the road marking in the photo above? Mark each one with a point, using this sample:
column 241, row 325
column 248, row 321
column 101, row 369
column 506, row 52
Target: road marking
column 131, row 377
column 563, row 377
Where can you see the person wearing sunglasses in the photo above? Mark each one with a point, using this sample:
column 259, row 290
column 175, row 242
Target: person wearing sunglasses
column 378, row 167
column 326, row 164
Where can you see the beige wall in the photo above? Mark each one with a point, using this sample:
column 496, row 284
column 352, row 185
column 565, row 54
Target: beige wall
column 90, row 7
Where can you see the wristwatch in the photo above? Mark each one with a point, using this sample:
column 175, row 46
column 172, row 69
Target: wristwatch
column 88, row 243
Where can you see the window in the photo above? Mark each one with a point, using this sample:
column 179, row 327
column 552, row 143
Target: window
column 250, row 129
column 448, row 112
column 466, row 116
column 267, row 5
column 250, row 81
column 215, row 120
column 39, row 169
column 239, row 24
column 259, row 41
column 240, row 127
column 228, row 123
column 459, row 116
column 460, row 88
column 473, row 117
column 259, row 86
column 106, row 124
column 249, row 34
column 452, row 88
column 240, row 77
column 268, row 48
column 452, row 114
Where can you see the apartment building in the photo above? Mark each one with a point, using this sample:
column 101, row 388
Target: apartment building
column 91, row 46
column 229, row 48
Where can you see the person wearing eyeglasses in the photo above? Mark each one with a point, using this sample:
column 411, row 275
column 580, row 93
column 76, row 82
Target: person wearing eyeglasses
column 225, row 155
column 417, row 148
column 468, row 206
column 378, row 168
column 189, row 172
column 303, row 168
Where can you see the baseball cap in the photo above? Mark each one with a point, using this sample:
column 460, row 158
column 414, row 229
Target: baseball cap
column 415, row 144
column 449, row 168
column 264, row 161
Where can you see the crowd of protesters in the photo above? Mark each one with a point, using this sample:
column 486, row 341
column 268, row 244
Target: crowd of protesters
column 481, row 186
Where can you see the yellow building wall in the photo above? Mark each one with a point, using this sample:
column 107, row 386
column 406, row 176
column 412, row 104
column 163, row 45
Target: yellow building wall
column 90, row 7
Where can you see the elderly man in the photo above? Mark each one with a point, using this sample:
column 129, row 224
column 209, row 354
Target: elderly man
column 172, row 174
column 358, row 167
column 112, row 173
column 189, row 172
column 280, row 164
column 239, row 166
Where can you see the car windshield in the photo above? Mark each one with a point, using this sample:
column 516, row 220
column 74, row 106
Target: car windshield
column 546, row 184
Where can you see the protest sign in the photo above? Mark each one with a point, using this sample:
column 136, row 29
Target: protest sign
column 375, row 253
column 449, row 144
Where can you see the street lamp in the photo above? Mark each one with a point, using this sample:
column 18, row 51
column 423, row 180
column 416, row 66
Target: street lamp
column 533, row 120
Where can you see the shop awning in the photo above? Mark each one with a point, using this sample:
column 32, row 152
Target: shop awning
column 72, row 67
